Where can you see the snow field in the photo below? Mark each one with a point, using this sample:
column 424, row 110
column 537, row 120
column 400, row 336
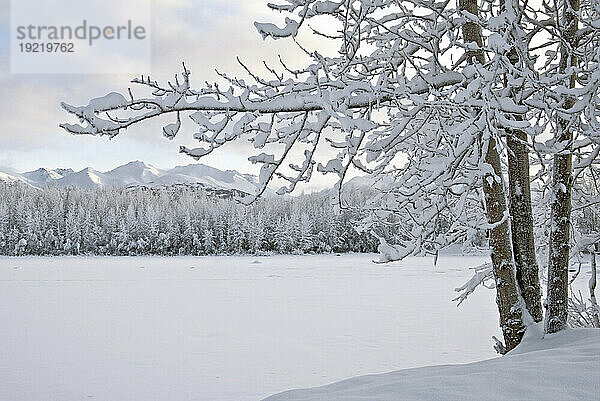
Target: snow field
column 228, row 328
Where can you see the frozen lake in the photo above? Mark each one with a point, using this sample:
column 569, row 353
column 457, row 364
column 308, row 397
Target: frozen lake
column 227, row 328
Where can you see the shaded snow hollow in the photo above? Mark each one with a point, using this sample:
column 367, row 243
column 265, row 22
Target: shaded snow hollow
column 563, row 366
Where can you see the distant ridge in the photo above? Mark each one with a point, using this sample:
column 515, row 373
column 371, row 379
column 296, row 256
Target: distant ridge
column 140, row 174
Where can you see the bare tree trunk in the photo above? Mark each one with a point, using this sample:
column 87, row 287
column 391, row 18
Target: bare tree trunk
column 507, row 298
column 527, row 270
column 562, row 184
column 521, row 222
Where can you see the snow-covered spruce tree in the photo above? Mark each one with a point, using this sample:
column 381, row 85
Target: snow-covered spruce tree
column 421, row 95
column 111, row 221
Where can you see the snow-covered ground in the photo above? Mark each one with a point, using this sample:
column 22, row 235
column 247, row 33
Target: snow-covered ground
column 559, row 367
column 228, row 328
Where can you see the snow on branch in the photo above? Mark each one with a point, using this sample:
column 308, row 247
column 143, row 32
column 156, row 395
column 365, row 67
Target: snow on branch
column 400, row 101
column 272, row 30
column 482, row 274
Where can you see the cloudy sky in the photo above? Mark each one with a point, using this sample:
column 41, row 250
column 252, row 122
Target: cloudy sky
column 206, row 34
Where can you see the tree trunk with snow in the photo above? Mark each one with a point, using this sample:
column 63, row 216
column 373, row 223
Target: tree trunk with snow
column 522, row 224
column 562, row 184
column 592, row 288
column 507, row 298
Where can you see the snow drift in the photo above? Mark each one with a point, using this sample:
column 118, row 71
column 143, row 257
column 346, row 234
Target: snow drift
column 563, row 366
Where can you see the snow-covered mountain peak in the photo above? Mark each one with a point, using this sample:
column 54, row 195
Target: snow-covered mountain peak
column 87, row 178
column 139, row 173
column 202, row 170
column 42, row 175
column 64, row 171
column 136, row 172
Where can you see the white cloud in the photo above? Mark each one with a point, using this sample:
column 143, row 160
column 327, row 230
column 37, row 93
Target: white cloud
column 205, row 34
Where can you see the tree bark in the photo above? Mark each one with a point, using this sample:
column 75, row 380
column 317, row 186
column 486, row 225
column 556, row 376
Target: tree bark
column 592, row 288
column 562, row 184
column 507, row 298
column 521, row 224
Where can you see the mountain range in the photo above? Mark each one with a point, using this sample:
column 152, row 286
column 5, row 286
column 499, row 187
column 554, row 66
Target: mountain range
column 140, row 174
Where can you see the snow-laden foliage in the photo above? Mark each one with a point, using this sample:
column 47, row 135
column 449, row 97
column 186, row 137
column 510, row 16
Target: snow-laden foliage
column 70, row 221
column 585, row 219
column 481, row 276
column 401, row 98
column 585, row 232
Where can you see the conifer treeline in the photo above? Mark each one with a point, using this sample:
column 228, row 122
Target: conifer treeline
column 183, row 221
